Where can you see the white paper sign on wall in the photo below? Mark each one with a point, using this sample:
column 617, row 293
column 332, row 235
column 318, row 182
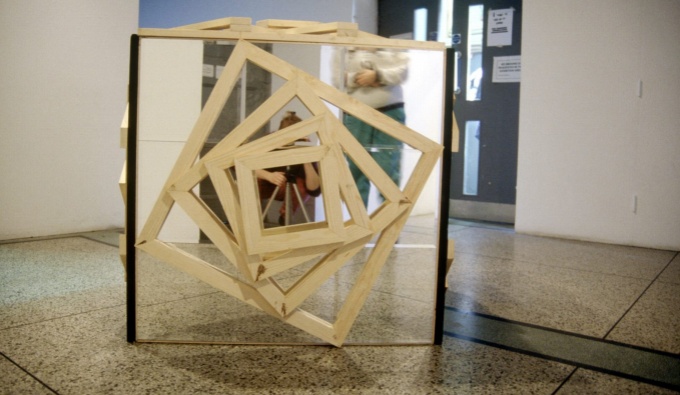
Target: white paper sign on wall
column 507, row 68
column 499, row 27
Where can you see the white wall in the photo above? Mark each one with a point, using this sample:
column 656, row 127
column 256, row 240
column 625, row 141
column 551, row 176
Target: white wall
column 588, row 144
column 63, row 79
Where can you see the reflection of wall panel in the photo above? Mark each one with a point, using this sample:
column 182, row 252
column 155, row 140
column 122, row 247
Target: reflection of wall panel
column 252, row 95
column 170, row 102
column 424, row 113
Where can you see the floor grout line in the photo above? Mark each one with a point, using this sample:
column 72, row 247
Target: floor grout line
column 10, row 360
column 566, row 380
column 644, row 291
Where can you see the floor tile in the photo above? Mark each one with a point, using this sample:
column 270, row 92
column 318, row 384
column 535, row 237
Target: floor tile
column 74, row 275
column 588, row 303
column 594, row 257
column 653, row 321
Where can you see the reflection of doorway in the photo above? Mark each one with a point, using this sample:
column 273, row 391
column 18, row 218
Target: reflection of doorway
column 484, row 171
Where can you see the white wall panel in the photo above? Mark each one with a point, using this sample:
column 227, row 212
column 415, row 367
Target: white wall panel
column 589, row 145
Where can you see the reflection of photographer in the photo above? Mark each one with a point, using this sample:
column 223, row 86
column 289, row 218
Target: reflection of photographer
column 291, row 185
column 374, row 77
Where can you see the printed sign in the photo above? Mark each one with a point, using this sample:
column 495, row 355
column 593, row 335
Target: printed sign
column 507, row 68
column 499, row 27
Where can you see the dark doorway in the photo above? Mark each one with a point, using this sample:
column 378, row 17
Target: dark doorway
column 487, row 44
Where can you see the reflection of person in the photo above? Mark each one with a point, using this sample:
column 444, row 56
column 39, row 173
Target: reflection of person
column 304, row 175
column 374, row 77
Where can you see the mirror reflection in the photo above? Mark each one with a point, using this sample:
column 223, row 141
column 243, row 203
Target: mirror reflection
column 286, row 197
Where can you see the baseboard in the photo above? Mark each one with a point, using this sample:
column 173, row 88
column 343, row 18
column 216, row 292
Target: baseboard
column 493, row 212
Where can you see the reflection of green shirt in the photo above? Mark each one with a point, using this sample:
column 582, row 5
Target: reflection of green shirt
column 392, row 70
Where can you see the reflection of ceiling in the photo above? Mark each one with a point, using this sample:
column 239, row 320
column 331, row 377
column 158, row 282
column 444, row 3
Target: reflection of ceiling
column 259, row 253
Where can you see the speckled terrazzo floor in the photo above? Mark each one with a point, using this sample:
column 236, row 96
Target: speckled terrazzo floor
column 525, row 315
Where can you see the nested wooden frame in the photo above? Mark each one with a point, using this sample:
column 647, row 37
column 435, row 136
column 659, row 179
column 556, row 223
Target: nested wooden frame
column 257, row 253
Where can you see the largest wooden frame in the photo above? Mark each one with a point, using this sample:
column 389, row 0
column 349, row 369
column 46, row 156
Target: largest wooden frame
column 259, row 254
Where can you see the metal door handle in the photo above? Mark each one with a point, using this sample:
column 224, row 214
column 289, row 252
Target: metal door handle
column 456, row 63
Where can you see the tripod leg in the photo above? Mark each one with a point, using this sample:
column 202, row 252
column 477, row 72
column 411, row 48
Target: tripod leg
column 302, row 204
column 287, row 203
column 269, row 203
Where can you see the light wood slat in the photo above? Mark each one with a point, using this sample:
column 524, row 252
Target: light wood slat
column 218, row 24
column 284, row 23
column 314, row 325
column 283, row 260
column 154, row 222
column 386, row 214
column 264, row 243
column 273, row 294
column 306, row 94
column 450, row 255
column 270, row 62
column 332, row 202
column 124, row 127
column 324, row 28
column 227, row 192
column 122, row 183
column 348, row 190
column 273, row 158
column 277, row 36
column 291, row 258
column 122, row 252
column 421, row 173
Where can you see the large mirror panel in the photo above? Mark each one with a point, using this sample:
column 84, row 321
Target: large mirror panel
column 250, row 225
